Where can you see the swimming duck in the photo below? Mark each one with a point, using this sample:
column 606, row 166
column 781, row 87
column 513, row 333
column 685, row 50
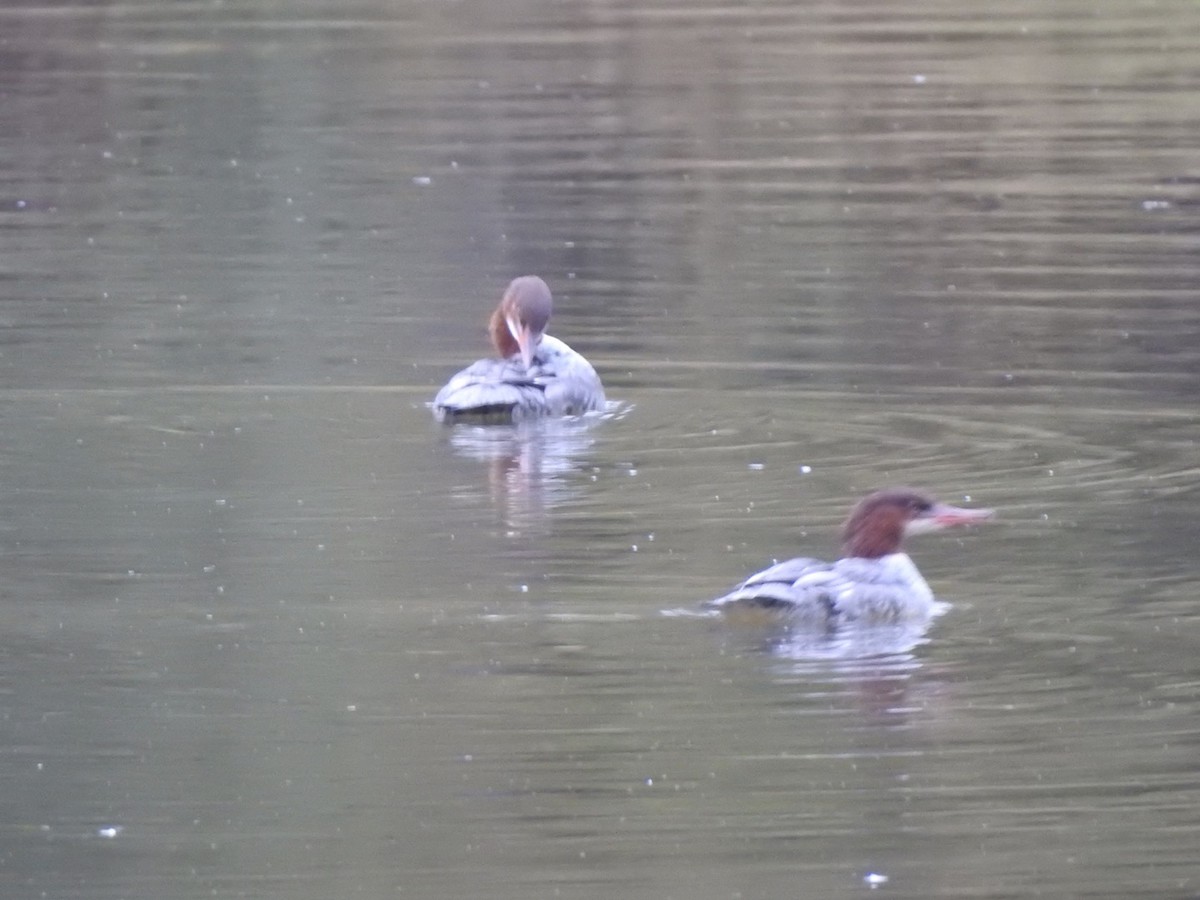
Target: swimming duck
column 533, row 374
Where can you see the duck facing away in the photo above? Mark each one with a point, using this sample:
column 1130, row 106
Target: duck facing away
column 533, row 375
column 874, row 583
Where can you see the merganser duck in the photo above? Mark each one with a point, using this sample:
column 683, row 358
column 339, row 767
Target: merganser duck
column 874, row 583
column 535, row 375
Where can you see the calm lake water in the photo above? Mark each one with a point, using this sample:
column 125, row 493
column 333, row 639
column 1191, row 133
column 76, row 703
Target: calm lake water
column 266, row 630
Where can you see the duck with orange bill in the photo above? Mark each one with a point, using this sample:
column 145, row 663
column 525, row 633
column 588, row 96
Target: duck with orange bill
column 874, row 583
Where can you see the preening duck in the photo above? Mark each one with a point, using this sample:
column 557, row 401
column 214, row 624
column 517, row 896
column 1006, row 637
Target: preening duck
column 533, row 374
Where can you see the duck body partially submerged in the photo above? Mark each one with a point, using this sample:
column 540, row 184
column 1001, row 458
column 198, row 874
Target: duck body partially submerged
column 558, row 382
column 533, row 375
column 875, row 582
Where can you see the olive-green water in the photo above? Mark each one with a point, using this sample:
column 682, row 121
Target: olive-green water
column 266, row 630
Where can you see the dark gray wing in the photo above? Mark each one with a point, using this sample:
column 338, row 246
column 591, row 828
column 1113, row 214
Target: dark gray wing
column 800, row 588
column 490, row 389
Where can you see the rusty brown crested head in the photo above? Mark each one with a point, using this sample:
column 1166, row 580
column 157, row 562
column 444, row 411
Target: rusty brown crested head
column 518, row 323
column 879, row 523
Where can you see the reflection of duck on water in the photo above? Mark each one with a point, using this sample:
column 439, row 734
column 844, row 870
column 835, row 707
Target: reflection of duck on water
column 875, row 583
column 535, row 375
column 531, row 466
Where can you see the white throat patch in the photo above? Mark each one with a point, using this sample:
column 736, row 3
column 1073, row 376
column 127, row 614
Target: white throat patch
column 513, row 328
